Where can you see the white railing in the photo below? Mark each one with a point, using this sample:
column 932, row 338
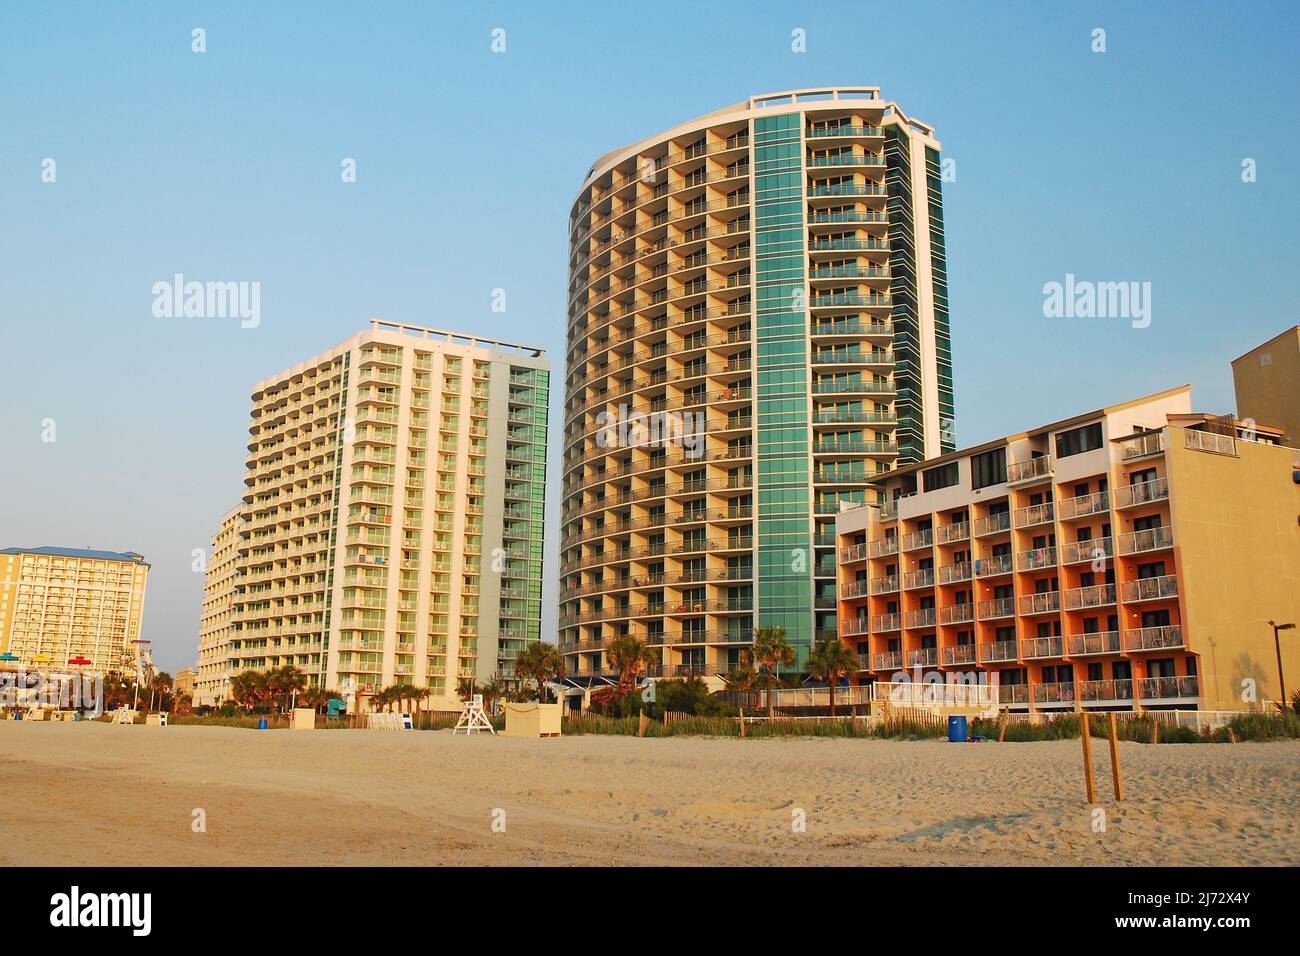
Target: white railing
column 1034, row 514
column 1095, row 596
column 1151, row 589
column 1150, row 539
column 1036, row 647
column 956, row 613
column 996, row 607
column 921, row 617
column 1030, row 468
column 884, row 622
column 885, row 584
column 1168, row 688
column 923, row 657
column 998, row 651
column 994, row 564
column 957, row 531
column 950, row 573
column 1153, row 638
column 991, row 524
column 1099, row 642
column 1085, row 505
column 1036, row 558
column 1141, row 493
column 1094, row 549
column 1210, row 441
column 1105, row 691
column 914, row 540
column 961, row 654
column 1143, row 445
column 1042, row 603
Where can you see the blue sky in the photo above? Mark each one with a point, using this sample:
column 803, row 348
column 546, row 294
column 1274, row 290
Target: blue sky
column 1115, row 166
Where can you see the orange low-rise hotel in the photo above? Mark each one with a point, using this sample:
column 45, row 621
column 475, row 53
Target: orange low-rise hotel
column 1130, row 558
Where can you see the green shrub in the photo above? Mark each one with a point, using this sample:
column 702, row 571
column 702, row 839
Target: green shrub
column 1265, row 726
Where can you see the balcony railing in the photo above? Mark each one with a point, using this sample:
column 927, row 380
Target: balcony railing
column 1042, row 603
column 1105, row 691
column 915, row 540
column 884, row 585
column 1153, row 638
column 923, row 578
column 1036, row 558
column 1084, row 505
column 1034, row 514
column 921, row 617
column 956, row 613
column 1142, row 446
column 996, row 607
column 1151, row 539
column 887, row 660
column 1141, row 493
column 952, row 573
column 1093, row 549
column 853, row 589
column 1055, row 693
column 884, row 547
column 992, row 524
column 1168, row 689
column 961, row 654
column 1151, row 589
column 1032, row 648
column 956, row 531
column 923, row 657
column 1098, row 595
column 1031, row 469
column 854, row 627
column 1100, row 642
column 884, row 622
column 993, row 565
column 1211, row 442
column 998, row 651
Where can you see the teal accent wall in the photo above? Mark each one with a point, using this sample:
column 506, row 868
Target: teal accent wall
column 942, row 329
column 783, row 448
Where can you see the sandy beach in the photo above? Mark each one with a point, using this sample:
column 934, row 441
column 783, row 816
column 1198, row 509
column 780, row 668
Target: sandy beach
column 95, row 794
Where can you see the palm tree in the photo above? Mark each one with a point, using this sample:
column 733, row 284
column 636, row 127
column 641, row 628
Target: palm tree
column 540, row 662
column 830, row 660
column 741, row 678
column 493, row 690
column 292, row 681
column 629, row 657
column 160, row 684
column 772, row 652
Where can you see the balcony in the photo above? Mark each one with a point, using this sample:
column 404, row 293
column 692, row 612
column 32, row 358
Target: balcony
column 1150, row 589
column 1084, row 505
column 887, row 661
column 921, row 617
column 1099, row 642
column 1168, row 690
column 1029, row 471
column 998, row 651
column 923, row 657
column 1094, row 549
column 995, row 608
column 1098, row 595
column 884, row 547
column 916, row 540
column 1104, row 693
column 953, row 573
column 1152, row 539
column 856, row 552
column 923, row 578
column 992, row 524
column 1047, row 602
column 1035, row 648
column 993, row 566
column 853, row 589
column 1211, row 442
column 1142, row 446
column 884, row 622
column 961, row 654
column 1036, row 559
column 854, row 627
column 1138, row 639
column 1013, row 694
column 1054, row 695
column 956, row 613
column 885, row 584
column 1034, row 515
column 956, row 531
column 1141, row 493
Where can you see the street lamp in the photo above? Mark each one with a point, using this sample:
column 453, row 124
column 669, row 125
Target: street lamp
column 1277, row 646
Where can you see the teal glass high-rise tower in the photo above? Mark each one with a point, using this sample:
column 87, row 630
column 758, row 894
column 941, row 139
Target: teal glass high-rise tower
column 757, row 326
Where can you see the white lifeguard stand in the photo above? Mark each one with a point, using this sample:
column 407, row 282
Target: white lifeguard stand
column 473, row 719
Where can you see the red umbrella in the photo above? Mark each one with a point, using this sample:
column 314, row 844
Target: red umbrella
column 79, row 660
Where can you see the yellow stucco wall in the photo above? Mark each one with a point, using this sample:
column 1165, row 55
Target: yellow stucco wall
column 1237, row 537
column 1270, row 394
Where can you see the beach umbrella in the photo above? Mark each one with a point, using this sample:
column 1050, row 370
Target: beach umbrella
column 79, row 660
column 9, row 657
column 41, row 659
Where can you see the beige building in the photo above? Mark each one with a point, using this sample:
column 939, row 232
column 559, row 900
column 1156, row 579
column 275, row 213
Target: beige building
column 757, row 328
column 1127, row 558
column 183, row 682
column 217, row 625
column 391, row 527
column 67, row 609
column 1267, row 382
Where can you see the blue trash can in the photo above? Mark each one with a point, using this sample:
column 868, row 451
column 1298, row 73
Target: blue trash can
column 261, row 724
column 956, row 730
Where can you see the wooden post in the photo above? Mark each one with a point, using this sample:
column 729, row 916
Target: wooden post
column 742, row 721
column 1116, row 778
column 665, row 718
column 1086, row 736
column 645, row 723
column 1002, row 729
column 1155, row 730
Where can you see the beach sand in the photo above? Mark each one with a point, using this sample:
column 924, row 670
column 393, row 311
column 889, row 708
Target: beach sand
column 99, row 795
